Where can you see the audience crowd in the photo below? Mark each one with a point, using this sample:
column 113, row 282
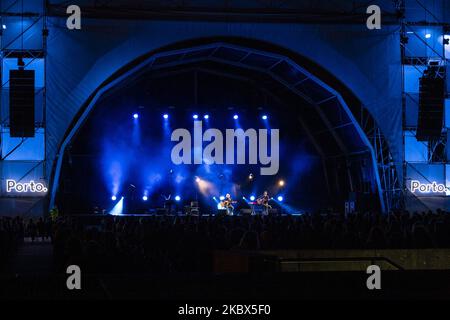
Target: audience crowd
column 11, row 235
column 185, row 243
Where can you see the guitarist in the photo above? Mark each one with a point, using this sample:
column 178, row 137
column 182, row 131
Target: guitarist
column 228, row 204
column 264, row 201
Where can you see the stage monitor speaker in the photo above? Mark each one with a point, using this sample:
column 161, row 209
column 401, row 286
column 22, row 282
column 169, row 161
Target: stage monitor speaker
column 431, row 108
column 21, row 103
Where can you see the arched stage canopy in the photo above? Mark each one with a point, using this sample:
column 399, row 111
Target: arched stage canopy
column 331, row 124
column 355, row 67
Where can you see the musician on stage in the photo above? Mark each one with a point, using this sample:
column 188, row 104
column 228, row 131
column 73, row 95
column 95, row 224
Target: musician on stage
column 228, row 204
column 264, row 201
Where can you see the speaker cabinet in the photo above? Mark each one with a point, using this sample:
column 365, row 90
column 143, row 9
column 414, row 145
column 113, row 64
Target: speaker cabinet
column 21, row 103
column 431, row 108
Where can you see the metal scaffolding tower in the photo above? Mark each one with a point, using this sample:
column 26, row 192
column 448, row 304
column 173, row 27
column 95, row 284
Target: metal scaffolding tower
column 420, row 57
column 23, row 37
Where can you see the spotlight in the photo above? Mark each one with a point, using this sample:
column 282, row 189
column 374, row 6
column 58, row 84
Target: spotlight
column 250, row 176
column 428, row 36
column 198, row 179
column 252, row 198
column 145, row 198
column 166, row 116
column 222, row 198
column 264, row 117
column 177, row 198
column 235, row 117
column 281, row 183
column 280, row 198
column 195, row 116
column 135, row 116
column 113, row 198
column 4, row 26
column 206, row 116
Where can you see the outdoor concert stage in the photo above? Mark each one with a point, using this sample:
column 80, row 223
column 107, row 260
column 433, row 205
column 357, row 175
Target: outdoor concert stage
column 154, row 138
column 204, row 110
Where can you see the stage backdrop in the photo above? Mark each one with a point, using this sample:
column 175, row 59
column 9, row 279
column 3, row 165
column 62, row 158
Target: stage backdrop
column 367, row 62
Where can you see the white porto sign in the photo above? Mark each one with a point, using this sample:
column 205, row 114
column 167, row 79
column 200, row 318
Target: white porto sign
column 434, row 187
column 12, row 186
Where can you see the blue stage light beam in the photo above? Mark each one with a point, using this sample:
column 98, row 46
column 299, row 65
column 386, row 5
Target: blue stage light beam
column 136, row 131
column 144, row 198
column 280, row 198
column 113, row 198
column 237, row 122
column 252, row 198
column 177, row 198
column 117, row 210
column 166, row 125
column 266, row 122
column 289, row 209
column 206, row 116
column 195, row 116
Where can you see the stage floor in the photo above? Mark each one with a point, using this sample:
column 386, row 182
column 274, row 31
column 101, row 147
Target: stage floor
column 154, row 215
